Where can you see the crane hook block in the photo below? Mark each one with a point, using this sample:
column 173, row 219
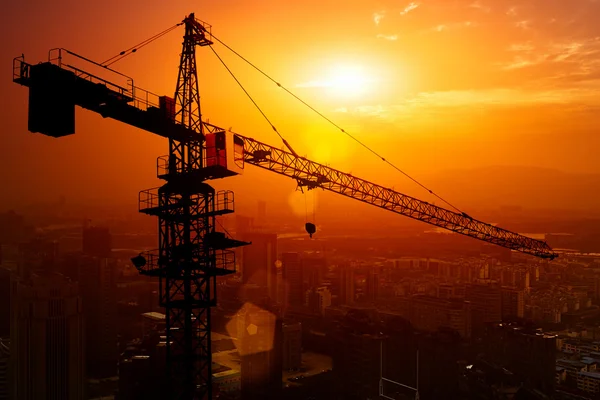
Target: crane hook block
column 310, row 228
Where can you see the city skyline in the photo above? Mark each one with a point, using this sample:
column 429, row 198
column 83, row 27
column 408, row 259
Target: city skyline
column 471, row 121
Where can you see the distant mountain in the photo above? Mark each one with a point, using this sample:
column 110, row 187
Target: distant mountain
column 527, row 187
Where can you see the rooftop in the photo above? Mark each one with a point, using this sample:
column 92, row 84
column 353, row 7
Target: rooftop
column 156, row 316
column 229, row 372
column 595, row 375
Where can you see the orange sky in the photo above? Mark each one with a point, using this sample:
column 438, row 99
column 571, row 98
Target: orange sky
column 433, row 85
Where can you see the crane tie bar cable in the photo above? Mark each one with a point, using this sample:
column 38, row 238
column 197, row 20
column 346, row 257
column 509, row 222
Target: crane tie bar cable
column 285, row 142
column 138, row 46
column 335, row 125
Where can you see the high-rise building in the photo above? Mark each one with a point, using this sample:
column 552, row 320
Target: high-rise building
column 259, row 335
column 318, row 299
column 432, row 313
column 142, row 370
column 47, row 347
column 528, row 353
column 5, row 305
column 346, row 285
column 513, row 303
column 486, row 305
column 372, row 283
column 356, row 360
column 314, row 268
column 4, row 368
column 259, row 261
column 292, row 345
column 97, row 281
column 293, row 279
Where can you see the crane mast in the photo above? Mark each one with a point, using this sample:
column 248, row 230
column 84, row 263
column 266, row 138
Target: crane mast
column 192, row 253
column 185, row 264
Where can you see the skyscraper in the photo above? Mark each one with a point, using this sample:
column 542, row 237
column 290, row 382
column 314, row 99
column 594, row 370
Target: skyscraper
column 293, row 279
column 4, row 368
column 97, row 281
column 355, row 346
column 318, row 299
column 486, row 305
column 513, row 303
column 5, row 277
column 346, row 284
column 372, row 283
column 47, row 352
column 314, row 268
column 258, row 261
column 529, row 353
column 292, row 345
column 259, row 334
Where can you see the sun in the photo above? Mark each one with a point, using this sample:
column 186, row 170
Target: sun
column 348, row 80
column 344, row 80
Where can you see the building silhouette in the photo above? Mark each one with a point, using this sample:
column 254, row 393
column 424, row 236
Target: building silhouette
column 356, row 344
column 486, row 305
column 258, row 261
column 47, row 346
column 4, row 368
column 5, row 304
column 527, row 352
column 513, row 303
column 292, row 345
column 97, row 281
column 260, row 337
column 346, row 285
column 292, row 279
column 431, row 313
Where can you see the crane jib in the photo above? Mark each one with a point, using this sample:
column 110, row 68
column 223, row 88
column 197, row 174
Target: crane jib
column 312, row 175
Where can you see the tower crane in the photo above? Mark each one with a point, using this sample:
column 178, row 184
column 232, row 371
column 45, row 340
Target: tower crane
column 192, row 252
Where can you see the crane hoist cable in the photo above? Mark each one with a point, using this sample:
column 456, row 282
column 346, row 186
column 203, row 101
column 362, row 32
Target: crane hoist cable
column 285, row 142
column 337, row 126
column 138, row 46
column 310, row 227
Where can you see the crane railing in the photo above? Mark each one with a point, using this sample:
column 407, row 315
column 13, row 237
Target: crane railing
column 313, row 175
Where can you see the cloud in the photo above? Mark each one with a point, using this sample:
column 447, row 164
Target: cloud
column 443, row 102
column 378, row 16
column 568, row 50
column 456, row 25
column 477, row 5
column 519, row 47
column 387, row 37
column 409, row 8
column 578, row 57
column 512, row 12
column 523, row 24
column 522, row 62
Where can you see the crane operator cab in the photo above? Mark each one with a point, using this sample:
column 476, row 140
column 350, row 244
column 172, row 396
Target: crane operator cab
column 224, row 154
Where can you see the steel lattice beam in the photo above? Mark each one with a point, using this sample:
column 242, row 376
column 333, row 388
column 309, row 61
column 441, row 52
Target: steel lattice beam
column 314, row 175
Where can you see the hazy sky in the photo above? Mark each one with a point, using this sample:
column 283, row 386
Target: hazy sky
column 433, row 85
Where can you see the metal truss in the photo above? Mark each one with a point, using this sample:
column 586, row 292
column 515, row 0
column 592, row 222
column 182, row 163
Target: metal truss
column 313, row 175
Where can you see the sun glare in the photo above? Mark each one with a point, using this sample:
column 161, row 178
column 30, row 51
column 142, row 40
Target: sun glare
column 344, row 80
column 348, row 80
